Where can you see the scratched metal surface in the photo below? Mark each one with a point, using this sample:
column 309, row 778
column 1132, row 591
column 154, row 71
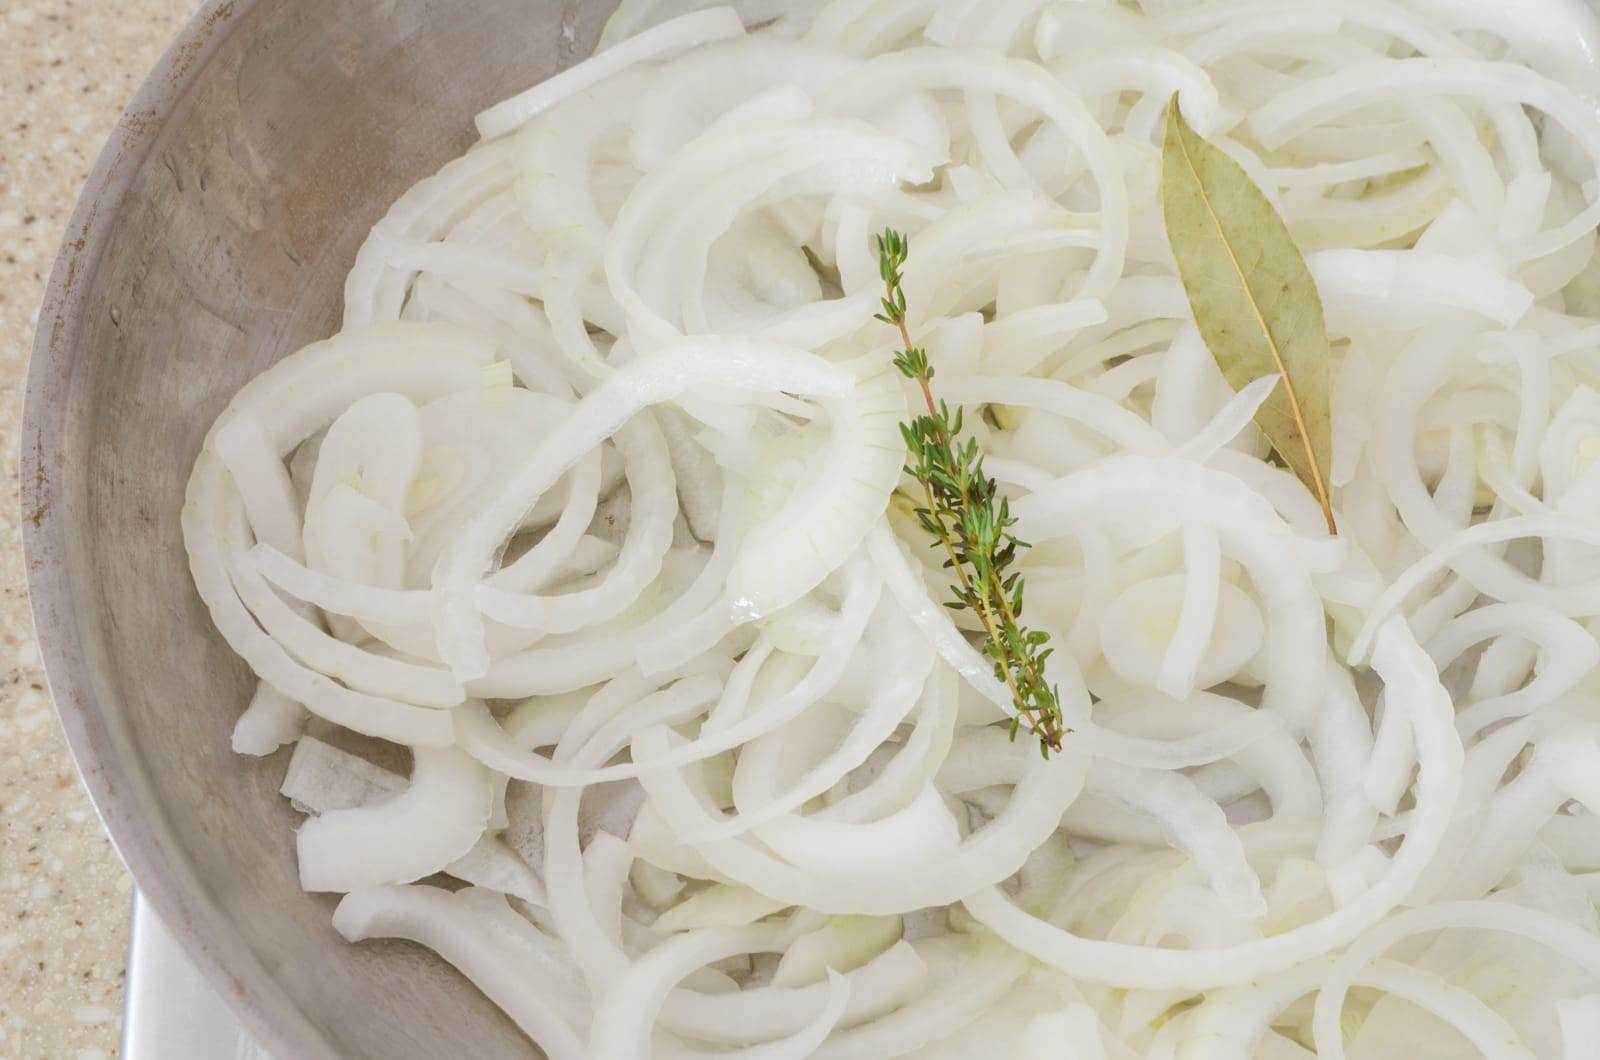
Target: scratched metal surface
column 211, row 240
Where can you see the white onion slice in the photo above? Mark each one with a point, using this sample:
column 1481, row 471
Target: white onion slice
column 715, row 23
column 438, row 818
column 483, row 951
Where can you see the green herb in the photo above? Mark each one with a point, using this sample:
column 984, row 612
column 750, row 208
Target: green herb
column 1253, row 298
column 972, row 523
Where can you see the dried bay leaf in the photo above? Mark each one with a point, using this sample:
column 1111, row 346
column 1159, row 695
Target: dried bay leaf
column 1253, row 298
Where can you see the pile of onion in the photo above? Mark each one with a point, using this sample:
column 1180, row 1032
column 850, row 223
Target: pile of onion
column 595, row 506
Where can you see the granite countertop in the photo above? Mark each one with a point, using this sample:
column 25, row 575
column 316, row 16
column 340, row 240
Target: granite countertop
column 67, row 68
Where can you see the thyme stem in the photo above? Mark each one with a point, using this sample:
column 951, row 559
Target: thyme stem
column 972, row 523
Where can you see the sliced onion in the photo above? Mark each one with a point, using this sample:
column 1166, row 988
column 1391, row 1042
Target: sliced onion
column 482, row 950
column 438, row 818
column 715, row 23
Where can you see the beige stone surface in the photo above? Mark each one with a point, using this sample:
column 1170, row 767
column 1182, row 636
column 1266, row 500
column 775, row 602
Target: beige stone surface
column 67, row 68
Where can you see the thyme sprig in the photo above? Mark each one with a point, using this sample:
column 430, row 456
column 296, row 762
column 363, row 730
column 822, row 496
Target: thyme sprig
column 964, row 513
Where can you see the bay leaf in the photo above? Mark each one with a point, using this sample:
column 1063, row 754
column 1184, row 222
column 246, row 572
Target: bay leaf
column 1253, row 298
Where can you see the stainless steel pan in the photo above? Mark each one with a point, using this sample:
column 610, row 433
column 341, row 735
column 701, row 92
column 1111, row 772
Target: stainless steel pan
column 212, row 239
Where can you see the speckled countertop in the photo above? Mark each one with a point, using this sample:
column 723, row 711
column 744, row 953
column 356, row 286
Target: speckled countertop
column 67, row 68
